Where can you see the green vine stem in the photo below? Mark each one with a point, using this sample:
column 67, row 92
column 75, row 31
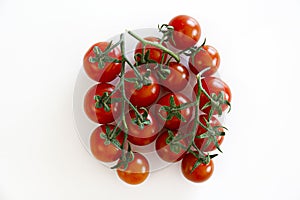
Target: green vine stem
column 160, row 46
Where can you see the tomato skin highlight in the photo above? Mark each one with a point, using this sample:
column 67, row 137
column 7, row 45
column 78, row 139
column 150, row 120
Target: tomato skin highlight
column 207, row 57
column 202, row 173
column 174, row 123
column 164, row 151
column 137, row 170
column 145, row 96
column 99, row 115
column 187, row 32
column 102, row 152
column 143, row 136
column 110, row 70
column 155, row 53
column 212, row 85
column 177, row 79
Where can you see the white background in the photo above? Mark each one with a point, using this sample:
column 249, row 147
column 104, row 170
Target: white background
column 42, row 44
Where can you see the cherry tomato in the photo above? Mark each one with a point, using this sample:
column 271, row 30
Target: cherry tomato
column 177, row 79
column 141, row 135
column 187, row 31
column 99, row 115
column 213, row 85
column 109, row 71
column 201, row 142
column 155, row 54
column 105, row 152
column 174, row 123
column 202, row 173
column 164, row 151
column 207, row 57
column 146, row 95
column 137, row 170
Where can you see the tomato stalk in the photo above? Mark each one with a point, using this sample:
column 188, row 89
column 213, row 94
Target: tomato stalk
column 167, row 32
column 160, row 46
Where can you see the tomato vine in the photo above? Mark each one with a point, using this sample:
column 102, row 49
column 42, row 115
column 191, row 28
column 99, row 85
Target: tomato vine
column 143, row 68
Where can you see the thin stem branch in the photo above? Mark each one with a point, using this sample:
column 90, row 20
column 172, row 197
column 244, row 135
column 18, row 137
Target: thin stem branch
column 160, row 46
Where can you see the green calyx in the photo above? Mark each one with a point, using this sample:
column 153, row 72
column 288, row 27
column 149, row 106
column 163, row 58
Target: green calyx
column 162, row 71
column 141, row 120
column 172, row 111
column 110, row 136
column 102, row 57
column 202, row 160
column 141, row 79
column 103, row 101
column 127, row 157
column 216, row 102
column 141, row 58
column 211, row 135
column 174, row 143
column 167, row 32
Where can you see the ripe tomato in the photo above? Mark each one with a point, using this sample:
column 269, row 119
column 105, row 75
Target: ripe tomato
column 201, row 142
column 202, row 173
column 187, row 31
column 99, row 115
column 177, row 79
column 109, row 71
column 207, row 57
column 143, row 136
column 155, row 54
column 144, row 96
column 174, row 122
column 137, row 170
column 163, row 149
column 105, row 152
column 213, row 85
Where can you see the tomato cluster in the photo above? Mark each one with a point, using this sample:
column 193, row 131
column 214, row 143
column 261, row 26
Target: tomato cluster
column 155, row 98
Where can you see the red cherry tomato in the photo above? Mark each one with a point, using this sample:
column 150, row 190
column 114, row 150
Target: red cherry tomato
column 207, row 57
column 202, row 173
column 109, row 71
column 105, row 152
column 201, row 142
column 99, row 115
column 136, row 134
column 177, row 79
column 174, row 123
column 213, row 85
column 137, row 170
column 164, row 151
column 146, row 95
column 155, row 54
column 187, row 31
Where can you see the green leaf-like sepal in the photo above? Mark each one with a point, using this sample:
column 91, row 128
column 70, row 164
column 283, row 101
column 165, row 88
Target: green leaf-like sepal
column 103, row 101
column 147, row 55
column 175, row 147
column 179, row 116
column 173, row 110
column 92, row 59
column 97, row 50
column 127, row 157
column 105, row 138
column 102, row 57
column 170, row 137
column 172, row 101
column 197, row 163
column 141, row 120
